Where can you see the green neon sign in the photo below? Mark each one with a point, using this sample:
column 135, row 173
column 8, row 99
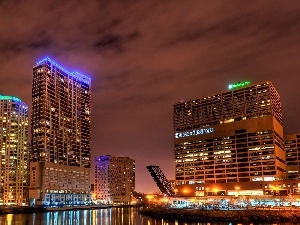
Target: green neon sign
column 6, row 97
column 238, row 85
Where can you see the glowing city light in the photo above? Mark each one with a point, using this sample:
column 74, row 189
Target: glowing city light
column 194, row 132
column 238, row 85
column 77, row 75
column 7, row 97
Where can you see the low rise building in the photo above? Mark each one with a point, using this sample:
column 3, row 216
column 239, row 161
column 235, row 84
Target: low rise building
column 114, row 179
column 56, row 184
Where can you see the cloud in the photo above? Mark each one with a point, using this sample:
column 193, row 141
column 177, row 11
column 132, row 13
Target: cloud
column 144, row 56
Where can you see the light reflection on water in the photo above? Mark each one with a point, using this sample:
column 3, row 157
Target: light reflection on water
column 110, row 216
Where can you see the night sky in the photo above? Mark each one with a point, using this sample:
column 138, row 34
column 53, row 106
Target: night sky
column 145, row 56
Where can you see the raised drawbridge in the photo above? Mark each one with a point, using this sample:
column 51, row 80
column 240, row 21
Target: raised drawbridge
column 161, row 181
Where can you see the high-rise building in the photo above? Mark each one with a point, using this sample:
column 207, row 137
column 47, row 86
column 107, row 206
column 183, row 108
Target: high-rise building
column 14, row 152
column 292, row 149
column 60, row 135
column 114, row 179
column 234, row 136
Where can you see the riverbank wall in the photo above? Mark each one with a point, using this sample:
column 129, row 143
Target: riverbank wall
column 198, row 215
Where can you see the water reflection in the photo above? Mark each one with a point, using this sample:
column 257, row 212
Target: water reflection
column 111, row 216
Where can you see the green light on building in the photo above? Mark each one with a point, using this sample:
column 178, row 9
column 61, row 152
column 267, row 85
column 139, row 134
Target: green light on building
column 238, row 85
column 7, row 97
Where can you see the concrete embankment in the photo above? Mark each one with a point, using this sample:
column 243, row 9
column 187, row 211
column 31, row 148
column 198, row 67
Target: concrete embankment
column 198, row 215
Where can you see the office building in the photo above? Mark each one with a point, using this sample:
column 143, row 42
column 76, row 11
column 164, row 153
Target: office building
column 60, row 135
column 292, row 149
column 14, row 152
column 114, row 179
column 234, row 136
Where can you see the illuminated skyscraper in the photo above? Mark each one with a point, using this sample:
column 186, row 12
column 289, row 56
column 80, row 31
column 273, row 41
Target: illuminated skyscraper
column 114, row 179
column 14, row 153
column 235, row 136
column 60, row 132
column 292, row 149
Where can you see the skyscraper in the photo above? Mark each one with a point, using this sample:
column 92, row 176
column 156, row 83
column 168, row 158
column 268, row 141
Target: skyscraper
column 234, row 136
column 114, row 179
column 60, row 132
column 14, row 153
column 292, row 149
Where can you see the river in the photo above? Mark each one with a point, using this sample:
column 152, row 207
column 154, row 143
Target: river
column 109, row 216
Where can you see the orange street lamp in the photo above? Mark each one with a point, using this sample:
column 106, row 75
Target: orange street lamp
column 207, row 190
column 237, row 188
column 176, row 191
column 215, row 190
column 149, row 197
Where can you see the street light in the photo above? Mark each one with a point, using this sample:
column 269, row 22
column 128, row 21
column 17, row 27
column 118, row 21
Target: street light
column 274, row 189
column 237, row 188
column 176, row 191
column 215, row 190
column 149, row 197
column 207, row 190
column 185, row 191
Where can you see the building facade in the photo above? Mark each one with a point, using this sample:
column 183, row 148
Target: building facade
column 114, row 179
column 60, row 128
column 59, row 184
column 235, row 136
column 252, row 188
column 14, row 152
column 292, row 149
